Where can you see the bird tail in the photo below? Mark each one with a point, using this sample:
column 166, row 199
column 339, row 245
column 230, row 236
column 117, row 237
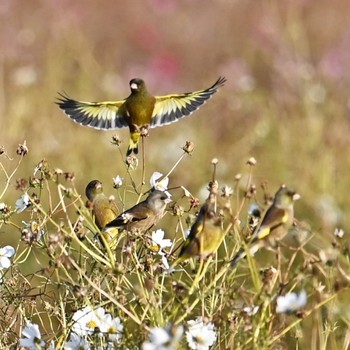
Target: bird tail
column 252, row 249
column 133, row 144
column 239, row 256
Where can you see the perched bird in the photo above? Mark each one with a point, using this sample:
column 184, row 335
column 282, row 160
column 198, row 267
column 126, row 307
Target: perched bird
column 104, row 210
column 143, row 215
column 275, row 224
column 206, row 233
column 140, row 111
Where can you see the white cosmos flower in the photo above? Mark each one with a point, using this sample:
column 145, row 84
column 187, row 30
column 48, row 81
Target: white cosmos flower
column 200, row 335
column 158, row 239
column 338, row 232
column 159, row 185
column 117, row 181
column 291, row 302
column 251, row 311
column 163, row 338
column 6, row 253
column 158, row 243
column 112, row 327
column 88, row 321
column 32, row 337
column 22, row 203
column 76, row 343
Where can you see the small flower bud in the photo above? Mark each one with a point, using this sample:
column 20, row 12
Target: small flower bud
column 22, row 149
column 188, row 147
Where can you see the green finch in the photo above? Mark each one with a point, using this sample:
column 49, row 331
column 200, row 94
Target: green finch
column 104, row 210
column 143, row 215
column 274, row 226
column 206, row 233
column 139, row 111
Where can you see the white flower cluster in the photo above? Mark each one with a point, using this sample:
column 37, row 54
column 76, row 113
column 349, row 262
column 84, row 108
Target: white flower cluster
column 87, row 321
column 200, row 335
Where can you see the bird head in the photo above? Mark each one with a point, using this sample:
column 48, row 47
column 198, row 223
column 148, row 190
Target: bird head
column 157, row 200
column 285, row 196
column 137, row 85
column 93, row 188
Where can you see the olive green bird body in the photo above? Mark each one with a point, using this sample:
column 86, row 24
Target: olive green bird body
column 139, row 111
column 104, row 210
column 205, row 236
column 143, row 215
column 275, row 224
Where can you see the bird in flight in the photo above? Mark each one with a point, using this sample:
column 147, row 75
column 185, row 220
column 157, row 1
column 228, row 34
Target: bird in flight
column 139, row 111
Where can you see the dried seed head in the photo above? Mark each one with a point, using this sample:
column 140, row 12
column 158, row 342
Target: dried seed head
column 69, row 176
column 251, row 161
column 22, row 149
column 226, row 191
column 238, row 177
column 21, row 184
column 116, row 140
column 58, row 171
column 188, row 147
column 132, row 162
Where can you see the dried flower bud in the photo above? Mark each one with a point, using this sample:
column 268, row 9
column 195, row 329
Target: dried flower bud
column 188, row 147
column 178, row 210
column 226, row 191
column 132, row 162
column 69, row 176
column 238, row 177
column 194, row 203
column 22, row 149
column 116, row 140
column 58, row 171
column 251, row 161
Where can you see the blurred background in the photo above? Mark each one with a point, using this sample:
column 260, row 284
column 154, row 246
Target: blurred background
column 286, row 100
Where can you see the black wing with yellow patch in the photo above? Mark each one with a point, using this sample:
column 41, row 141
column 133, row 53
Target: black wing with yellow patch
column 170, row 108
column 273, row 218
column 99, row 115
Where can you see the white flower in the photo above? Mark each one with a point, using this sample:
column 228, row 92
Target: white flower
column 5, row 254
column 23, row 203
column 338, row 232
column 251, row 311
column 32, row 337
column 158, row 243
column 88, row 321
column 159, row 185
column 164, row 260
column 291, row 302
column 113, row 327
column 163, row 338
column 76, row 343
column 200, row 335
column 3, row 206
column 158, row 240
column 117, row 181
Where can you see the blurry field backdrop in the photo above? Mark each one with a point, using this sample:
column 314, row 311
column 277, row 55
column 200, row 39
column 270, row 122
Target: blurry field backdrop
column 286, row 101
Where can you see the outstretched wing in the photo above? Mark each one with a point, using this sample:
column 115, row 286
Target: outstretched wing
column 99, row 115
column 170, row 108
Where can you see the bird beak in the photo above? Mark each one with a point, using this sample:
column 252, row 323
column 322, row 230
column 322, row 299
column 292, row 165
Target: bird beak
column 296, row 196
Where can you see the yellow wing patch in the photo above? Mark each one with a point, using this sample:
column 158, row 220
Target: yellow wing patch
column 99, row 115
column 170, row 108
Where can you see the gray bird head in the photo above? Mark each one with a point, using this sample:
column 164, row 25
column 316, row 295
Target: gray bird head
column 158, row 200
